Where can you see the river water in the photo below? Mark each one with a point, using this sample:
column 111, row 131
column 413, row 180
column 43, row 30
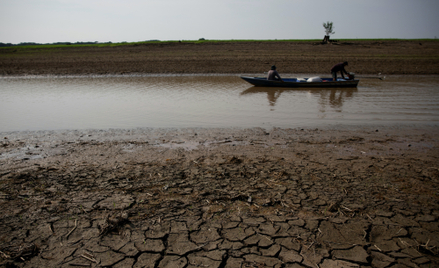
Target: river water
column 209, row 101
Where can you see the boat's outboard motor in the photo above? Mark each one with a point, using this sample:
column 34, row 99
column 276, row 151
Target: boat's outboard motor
column 351, row 76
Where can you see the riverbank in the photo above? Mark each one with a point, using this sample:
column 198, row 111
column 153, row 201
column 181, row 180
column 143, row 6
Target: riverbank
column 243, row 57
column 351, row 197
column 346, row 197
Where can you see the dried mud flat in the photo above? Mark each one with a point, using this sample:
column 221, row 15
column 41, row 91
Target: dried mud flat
column 220, row 198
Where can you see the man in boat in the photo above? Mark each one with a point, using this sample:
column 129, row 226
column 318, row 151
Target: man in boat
column 339, row 67
column 273, row 74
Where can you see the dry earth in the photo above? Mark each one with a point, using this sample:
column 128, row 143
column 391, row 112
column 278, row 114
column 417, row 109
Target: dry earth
column 364, row 57
column 220, row 198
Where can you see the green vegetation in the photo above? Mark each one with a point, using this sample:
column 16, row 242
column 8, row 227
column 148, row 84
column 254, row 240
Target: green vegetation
column 329, row 29
column 200, row 41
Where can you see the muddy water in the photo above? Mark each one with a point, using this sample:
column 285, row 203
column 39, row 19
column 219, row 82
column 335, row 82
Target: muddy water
column 53, row 103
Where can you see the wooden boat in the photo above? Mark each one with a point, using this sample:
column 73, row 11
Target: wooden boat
column 295, row 82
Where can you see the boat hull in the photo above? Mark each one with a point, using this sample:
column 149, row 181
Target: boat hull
column 292, row 82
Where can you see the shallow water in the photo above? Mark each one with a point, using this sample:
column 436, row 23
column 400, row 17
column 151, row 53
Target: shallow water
column 103, row 102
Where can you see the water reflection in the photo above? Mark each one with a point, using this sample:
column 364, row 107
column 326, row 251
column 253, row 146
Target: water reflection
column 334, row 97
column 272, row 93
column 47, row 103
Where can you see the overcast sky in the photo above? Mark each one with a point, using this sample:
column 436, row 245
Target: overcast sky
column 47, row 21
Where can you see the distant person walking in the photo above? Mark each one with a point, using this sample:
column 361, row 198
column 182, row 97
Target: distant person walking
column 339, row 67
column 273, row 74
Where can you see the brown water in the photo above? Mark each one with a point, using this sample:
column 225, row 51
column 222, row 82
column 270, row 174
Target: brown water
column 124, row 102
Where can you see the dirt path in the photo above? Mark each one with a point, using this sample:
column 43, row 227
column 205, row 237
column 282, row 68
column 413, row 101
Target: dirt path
column 220, row 198
column 364, row 57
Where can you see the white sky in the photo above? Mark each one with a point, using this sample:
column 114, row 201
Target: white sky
column 47, row 21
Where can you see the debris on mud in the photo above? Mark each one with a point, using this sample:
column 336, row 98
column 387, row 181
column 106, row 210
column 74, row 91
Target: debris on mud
column 314, row 201
column 113, row 223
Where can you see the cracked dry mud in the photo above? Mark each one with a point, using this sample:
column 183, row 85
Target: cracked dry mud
column 220, row 198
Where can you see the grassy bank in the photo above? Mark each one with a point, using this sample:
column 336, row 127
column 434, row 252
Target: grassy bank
column 202, row 41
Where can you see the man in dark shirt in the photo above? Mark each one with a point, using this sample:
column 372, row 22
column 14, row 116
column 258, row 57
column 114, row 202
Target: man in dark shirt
column 273, row 74
column 339, row 67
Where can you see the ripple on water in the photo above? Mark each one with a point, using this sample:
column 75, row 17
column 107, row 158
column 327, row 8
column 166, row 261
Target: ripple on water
column 102, row 102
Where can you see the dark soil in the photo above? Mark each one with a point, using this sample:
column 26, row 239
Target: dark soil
column 364, row 57
column 220, row 198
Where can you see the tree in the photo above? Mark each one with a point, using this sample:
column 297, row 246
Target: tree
column 328, row 30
